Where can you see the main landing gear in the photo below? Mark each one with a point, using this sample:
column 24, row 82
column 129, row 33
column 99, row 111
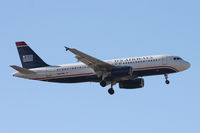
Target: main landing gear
column 111, row 90
column 103, row 83
column 166, row 79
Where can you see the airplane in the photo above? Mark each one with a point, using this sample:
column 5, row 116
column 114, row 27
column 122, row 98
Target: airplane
column 127, row 72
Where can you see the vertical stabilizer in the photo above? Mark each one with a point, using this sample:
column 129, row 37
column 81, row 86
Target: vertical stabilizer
column 28, row 57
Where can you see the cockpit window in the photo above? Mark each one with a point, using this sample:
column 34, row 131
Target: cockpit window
column 177, row 58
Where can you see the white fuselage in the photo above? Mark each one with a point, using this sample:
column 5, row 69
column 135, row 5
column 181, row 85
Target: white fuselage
column 151, row 65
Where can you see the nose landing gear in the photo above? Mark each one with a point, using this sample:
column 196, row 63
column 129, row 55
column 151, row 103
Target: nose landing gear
column 166, row 79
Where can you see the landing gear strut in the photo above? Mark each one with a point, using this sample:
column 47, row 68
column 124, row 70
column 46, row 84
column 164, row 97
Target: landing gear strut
column 166, row 79
column 111, row 90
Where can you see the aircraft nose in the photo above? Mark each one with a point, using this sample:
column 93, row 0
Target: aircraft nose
column 187, row 65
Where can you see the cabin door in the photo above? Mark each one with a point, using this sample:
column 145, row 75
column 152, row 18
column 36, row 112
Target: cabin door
column 164, row 60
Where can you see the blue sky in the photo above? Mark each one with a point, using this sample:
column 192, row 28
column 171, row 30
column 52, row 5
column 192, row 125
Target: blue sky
column 105, row 29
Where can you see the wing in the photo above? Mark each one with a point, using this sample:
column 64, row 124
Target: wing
column 94, row 63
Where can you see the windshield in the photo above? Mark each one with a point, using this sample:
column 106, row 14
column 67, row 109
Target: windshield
column 177, row 58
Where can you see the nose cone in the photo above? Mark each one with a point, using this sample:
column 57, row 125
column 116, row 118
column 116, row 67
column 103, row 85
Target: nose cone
column 186, row 65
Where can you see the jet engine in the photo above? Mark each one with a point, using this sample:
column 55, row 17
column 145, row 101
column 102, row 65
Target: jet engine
column 132, row 84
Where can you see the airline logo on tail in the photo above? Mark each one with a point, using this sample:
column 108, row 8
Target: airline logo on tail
column 27, row 58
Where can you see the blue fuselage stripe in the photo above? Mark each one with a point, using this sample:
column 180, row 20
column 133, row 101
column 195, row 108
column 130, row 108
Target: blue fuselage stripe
column 94, row 78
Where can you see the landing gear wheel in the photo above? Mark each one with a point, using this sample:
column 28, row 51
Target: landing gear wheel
column 111, row 91
column 167, row 82
column 103, row 83
column 166, row 79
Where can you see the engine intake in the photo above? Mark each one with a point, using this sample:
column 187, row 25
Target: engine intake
column 132, row 84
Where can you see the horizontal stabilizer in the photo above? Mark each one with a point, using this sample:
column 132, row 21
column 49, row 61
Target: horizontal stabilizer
column 22, row 70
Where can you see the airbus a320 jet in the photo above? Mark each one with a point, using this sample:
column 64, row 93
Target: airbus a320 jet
column 127, row 72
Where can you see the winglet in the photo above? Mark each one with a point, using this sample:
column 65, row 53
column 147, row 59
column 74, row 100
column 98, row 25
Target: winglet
column 67, row 48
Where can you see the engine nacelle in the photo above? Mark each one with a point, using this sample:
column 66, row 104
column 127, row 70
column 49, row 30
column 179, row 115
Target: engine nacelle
column 121, row 71
column 132, row 84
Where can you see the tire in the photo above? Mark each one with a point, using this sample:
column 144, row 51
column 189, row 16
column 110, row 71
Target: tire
column 111, row 91
column 103, row 83
column 167, row 82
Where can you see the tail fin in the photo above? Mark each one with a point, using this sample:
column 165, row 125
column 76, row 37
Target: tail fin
column 28, row 57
